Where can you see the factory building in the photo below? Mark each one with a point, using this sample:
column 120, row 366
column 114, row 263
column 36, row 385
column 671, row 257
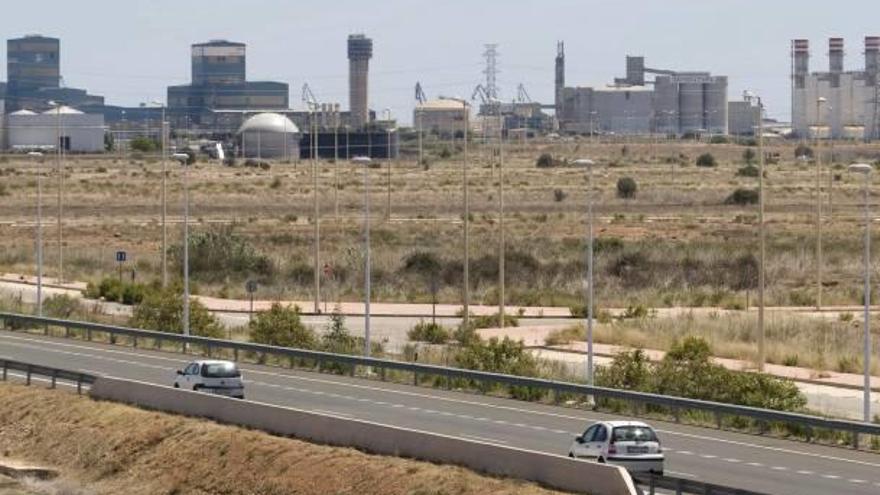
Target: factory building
column 837, row 103
column 74, row 130
column 742, row 116
column 672, row 103
column 360, row 51
column 219, row 83
column 443, row 116
column 33, row 69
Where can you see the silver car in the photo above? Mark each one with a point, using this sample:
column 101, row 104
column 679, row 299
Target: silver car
column 216, row 377
column 631, row 444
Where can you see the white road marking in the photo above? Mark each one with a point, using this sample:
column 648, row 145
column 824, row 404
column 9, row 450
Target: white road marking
column 806, row 472
column 754, row 464
column 857, row 481
column 330, row 413
column 732, row 459
column 779, row 468
column 708, row 456
column 482, row 439
column 682, row 475
column 831, row 476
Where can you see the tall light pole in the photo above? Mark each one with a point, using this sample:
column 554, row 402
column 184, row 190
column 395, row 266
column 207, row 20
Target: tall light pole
column 59, row 157
column 183, row 158
column 336, row 161
column 164, row 195
column 761, row 235
column 364, row 161
column 317, row 214
column 819, row 102
column 588, row 164
column 466, row 221
column 38, row 158
column 501, row 239
column 388, row 158
column 865, row 169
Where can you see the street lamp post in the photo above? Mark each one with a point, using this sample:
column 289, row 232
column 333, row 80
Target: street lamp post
column 59, row 157
column 164, row 195
column 388, row 159
column 588, row 164
column 865, row 169
column 761, row 235
column 501, row 240
column 365, row 162
column 317, row 214
column 819, row 101
column 183, row 158
column 38, row 157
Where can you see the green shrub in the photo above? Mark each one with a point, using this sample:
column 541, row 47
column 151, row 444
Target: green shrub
column 162, row 310
column 803, row 150
column 749, row 156
column 545, row 161
column 115, row 290
column 493, row 321
column 706, row 160
column 501, row 356
column 281, row 326
column 220, row 253
column 718, row 140
column 748, row 171
column 742, row 197
column 144, row 144
column 61, row 306
column 559, row 195
column 626, row 188
column 433, row 333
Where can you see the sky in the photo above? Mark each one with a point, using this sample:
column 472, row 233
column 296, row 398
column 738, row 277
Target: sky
column 131, row 50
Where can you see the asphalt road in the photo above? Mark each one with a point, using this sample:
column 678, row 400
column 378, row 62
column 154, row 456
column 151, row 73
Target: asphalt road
column 745, row 461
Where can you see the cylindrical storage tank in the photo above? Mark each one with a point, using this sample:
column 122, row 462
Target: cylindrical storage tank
column 715, row 98
column 666, row 105
column 690, row 97
column 269, row 135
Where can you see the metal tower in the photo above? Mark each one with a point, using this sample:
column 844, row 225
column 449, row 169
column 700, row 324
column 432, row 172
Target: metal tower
column 491, row 71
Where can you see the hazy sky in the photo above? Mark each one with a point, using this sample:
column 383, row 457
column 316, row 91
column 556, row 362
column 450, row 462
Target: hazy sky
column 130, row 50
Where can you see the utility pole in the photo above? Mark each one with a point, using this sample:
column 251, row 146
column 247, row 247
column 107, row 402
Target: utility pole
column 336, row 161
column 819, row 102
column 317, row 215
column 59, row 156
column 467, row 290
column 501, row 240
column 761, row 235
column 38, row 159
column 183, row 158
column 164, row 200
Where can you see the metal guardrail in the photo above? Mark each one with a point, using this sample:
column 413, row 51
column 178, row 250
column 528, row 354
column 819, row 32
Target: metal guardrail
column 679, row 486
column 53, row 374
column 675, row 404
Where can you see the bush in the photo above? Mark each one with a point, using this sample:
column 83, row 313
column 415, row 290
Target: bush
column 493, row 321
column 706, row 160
column 803, row 150
column 626, row 188
column 748, row 171
column 61, row 306
column 281, row 326
column 742, row 197
column 718, row 140
column 501, row 356
column 144, row 144
column 559, row 195
column 162, row 310
column 220, row 253
column 749, row 156
column 545, row 161
column 429, row 332
column 114, row 290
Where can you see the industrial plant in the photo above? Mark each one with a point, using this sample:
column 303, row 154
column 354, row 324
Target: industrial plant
column 674, row 102
column 839, row 104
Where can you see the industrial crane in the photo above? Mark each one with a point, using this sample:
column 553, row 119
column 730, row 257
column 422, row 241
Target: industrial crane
column 421, row 99
column 522, row 96
column 309, row 98
column 420, row 94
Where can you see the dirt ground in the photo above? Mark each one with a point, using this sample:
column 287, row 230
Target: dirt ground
column 110, row 449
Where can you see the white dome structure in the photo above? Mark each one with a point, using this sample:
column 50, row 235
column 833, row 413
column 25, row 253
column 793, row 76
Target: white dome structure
column 63, row 110
column 269, row 135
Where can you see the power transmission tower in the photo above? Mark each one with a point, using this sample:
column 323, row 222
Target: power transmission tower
column 491, row 71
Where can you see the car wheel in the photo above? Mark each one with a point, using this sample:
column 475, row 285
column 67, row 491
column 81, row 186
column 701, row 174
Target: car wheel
column 601, row 460
column 197, row 388
column 571, row 455
column 176, row 385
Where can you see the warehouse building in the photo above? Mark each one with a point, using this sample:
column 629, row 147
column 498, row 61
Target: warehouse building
column 672, row 103
column 444, row 117
column 75, row 131
column 219, row 83
column 742, row 116
column 837, row 103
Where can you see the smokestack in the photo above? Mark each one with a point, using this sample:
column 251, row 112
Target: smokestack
column 560, row 77
column 360, row 51
column 872, row 59
column 835, row 60
column 800, row 52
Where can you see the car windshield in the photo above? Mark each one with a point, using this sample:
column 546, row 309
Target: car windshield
column 633, row 434
column 220, row 370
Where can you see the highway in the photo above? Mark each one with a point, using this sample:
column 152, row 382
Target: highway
column 745, row 461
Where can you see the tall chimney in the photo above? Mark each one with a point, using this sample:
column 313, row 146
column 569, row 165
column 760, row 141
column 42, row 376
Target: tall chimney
column 560, row 78
column 835, row 60
column 872, row 59
column 360, row 50
column 800, row 52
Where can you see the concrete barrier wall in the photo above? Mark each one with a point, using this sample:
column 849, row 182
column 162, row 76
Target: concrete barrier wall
column 549, row 470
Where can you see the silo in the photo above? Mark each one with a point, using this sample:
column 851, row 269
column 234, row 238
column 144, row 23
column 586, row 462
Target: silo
column 691, row 106
column 715, row 98
column 666, row 105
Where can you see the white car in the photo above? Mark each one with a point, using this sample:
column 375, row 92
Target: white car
column 631, row 444
column 216, row 377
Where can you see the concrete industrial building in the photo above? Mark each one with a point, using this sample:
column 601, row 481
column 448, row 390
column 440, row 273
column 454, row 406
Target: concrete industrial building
column 74, row 130
column 851, row 106
column 269, row 135
column 219, row 83
column 441, row 116
column 33, row 69
column 360, row 51
column 673, row 103
column 742, row 116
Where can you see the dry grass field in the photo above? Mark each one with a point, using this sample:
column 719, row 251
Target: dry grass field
column 110, row 448
column 676, row 243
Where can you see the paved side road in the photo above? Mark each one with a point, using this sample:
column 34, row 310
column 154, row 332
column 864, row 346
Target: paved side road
column 746, row 461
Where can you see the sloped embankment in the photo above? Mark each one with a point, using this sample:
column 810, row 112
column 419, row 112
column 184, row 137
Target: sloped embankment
column 113, row 448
